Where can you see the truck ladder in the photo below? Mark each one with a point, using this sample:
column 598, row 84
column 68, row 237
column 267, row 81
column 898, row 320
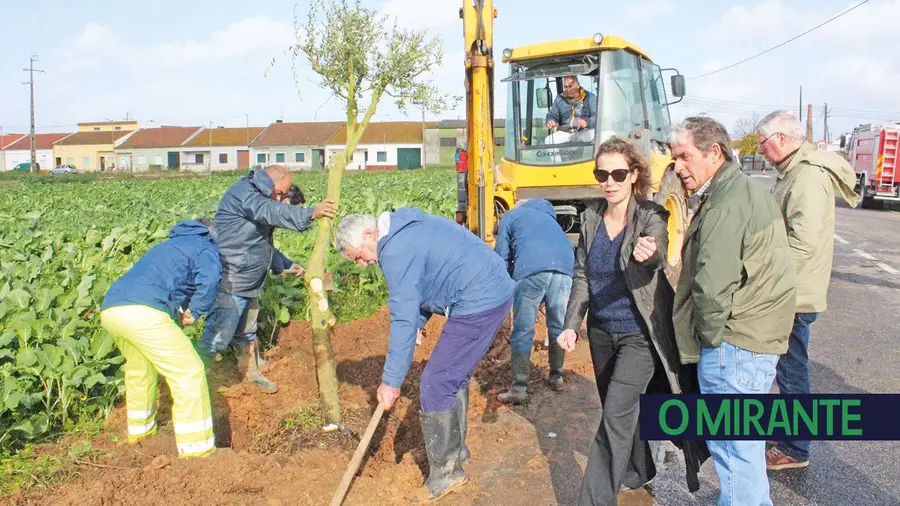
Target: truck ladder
column 888, row 176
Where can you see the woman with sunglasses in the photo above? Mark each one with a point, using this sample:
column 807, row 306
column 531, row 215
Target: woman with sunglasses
column 620, row 283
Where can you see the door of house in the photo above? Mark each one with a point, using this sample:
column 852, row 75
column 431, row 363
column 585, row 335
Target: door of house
column 243, row 159
column 174, row 161
column 102, row 163
column 409, row 158
column 318, row 158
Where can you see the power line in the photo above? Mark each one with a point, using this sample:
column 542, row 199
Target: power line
column 779, row 45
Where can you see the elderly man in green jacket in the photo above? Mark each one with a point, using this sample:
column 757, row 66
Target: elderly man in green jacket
column 807, row 182
column 734, row 305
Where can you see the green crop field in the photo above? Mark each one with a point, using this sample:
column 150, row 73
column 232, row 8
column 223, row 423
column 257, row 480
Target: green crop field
column 64, row 240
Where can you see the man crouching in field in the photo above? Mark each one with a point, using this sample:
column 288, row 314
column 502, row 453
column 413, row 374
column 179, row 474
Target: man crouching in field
column 248, row 214
column 433, row 265
column 140, row 310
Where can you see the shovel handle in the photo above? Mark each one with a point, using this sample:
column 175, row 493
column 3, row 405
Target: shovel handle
column 357, row 457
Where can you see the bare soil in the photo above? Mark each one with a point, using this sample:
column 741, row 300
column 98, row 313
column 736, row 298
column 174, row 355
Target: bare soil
column 535, row 452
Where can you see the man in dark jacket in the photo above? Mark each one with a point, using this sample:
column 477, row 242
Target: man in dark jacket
column 432, row 265
column 176, row 280
column 248, row 214
column 541, row 260
column 734, row 305
column 573, row 114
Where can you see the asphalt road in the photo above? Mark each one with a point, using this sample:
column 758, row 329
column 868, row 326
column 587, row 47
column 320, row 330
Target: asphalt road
column 854, row 348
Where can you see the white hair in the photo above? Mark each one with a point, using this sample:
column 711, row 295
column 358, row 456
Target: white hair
column 781, row 121
column 350, row 231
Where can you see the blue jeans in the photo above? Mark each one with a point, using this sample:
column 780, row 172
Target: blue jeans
column 740, row 465
column 551, row 288
column 793, row 376
column 232, row 319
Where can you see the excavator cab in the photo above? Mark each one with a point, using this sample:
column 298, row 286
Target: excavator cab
column 626, row 95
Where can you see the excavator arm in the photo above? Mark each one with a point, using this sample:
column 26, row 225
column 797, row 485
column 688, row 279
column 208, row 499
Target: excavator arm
column 475, row 195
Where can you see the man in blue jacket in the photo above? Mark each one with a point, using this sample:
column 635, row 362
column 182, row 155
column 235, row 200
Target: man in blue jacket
column 542, row 261
column 248, row 214
column 573, row 114
column 176, row 280
column 432, row 265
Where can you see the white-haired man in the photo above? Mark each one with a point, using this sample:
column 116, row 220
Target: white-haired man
column 805, row 188
column 432, row 265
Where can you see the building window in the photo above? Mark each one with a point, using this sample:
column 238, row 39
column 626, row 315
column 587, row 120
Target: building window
column 223, row 157
column 299, row 157
column 158, row 160
column 142, row 160
column 279, row 157
column 86, row 161
column 381, row 156
column 448, row 142
column 260, row 158
column 198, row 158
column 96, row 129
column 70, row 160
column 118, row 128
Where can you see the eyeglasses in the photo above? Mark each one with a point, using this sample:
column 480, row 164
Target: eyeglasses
column 618, row 175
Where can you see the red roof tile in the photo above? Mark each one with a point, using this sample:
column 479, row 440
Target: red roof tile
column 92, row 138
column 41, row 141
column 224, row 137
column 297, row 134
column 162, row 137
column 394, row 132
column 7, row 139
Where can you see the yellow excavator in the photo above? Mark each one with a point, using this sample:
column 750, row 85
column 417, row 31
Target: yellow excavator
column 627, row 94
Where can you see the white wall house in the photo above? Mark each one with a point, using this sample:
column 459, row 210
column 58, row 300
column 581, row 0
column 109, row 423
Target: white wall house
column 372, row 156
column 219, row 149
column 20, row 151
column 297, row 146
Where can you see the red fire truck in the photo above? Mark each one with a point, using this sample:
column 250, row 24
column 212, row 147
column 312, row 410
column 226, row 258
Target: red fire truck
column 872, row 151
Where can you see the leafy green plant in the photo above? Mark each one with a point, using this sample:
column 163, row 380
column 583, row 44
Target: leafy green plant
column 63, row 242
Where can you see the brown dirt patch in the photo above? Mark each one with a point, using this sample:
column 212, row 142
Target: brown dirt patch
column 274, row 464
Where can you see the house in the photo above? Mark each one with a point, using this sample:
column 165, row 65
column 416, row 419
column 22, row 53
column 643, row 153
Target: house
column 297, row 146
column 5, row 140
column 92, row 147
column 452, row 134
column 155, row 148
column 384, row 145
column 219, row 149
column 20, row 151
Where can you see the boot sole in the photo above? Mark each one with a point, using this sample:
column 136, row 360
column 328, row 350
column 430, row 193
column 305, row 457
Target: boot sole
column 793, row 465
column 448, row 491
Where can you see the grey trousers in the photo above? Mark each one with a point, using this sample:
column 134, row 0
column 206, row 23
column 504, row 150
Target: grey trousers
column 623, row 365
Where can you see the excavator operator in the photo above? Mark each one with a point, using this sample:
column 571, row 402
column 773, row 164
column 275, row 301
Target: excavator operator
column 573, row 114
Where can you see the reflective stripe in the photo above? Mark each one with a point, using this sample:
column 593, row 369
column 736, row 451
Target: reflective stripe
column 140, row 415
column 186, row 428
column 203, row 446
column 137, row 430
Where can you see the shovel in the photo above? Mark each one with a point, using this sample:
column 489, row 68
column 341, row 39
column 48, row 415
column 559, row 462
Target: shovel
column 357, row 457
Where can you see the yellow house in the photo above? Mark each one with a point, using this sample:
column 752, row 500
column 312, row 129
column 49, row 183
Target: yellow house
column 92, row 147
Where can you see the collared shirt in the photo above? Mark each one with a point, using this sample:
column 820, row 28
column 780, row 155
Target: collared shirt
column 384, row 224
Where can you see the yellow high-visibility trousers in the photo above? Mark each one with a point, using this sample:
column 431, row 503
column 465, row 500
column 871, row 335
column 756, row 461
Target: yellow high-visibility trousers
column 153, row 344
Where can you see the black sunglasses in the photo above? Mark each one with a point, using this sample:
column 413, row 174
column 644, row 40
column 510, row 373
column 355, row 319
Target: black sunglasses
column 618, row 175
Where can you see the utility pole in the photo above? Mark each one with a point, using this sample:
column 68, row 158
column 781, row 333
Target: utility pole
column 826, row 122
column 31, row 70
column 424, row 141
column 809, row 120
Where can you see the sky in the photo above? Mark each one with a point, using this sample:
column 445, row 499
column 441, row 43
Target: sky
column 226, row 62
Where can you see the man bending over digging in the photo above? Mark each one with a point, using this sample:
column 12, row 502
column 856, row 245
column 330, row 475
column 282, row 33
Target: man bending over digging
column 432, row 265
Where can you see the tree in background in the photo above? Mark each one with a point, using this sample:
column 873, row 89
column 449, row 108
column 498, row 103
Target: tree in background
column 745, row 126
column 360, row 57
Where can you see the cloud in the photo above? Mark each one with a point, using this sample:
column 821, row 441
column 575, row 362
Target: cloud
column 99, row 47
column 648, row 11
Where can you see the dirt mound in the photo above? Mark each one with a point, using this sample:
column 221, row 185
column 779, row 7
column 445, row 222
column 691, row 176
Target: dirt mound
column 278, row 453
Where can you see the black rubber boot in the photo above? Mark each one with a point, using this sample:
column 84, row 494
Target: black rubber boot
column 442, row 444
column 462, row 408
column 520, row 363
column 556, row 357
